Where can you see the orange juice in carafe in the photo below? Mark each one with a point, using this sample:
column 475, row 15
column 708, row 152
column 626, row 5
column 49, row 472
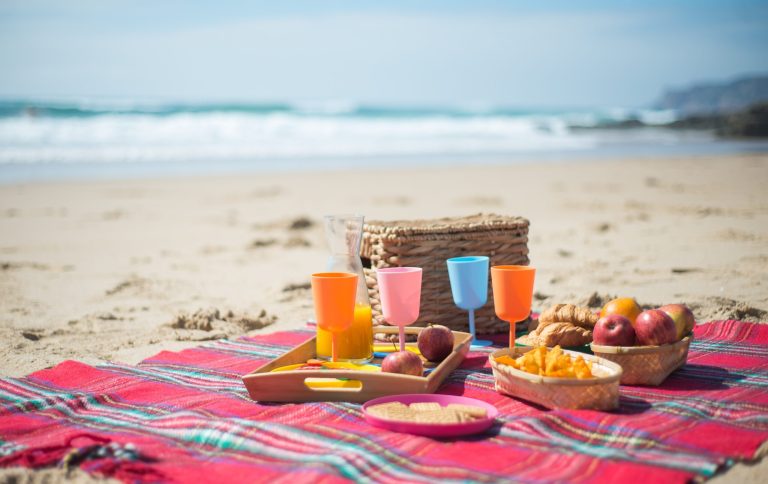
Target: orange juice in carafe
column 343, row 234
column 354, row 344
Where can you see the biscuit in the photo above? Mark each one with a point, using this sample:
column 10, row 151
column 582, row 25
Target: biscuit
column 437, row 417
column 385, row 410
column 425, row 406
column 427, row 412
column 471, row 410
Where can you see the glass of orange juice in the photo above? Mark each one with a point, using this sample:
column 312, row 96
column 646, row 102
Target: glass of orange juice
column 512, row 294
column 355, row 344
column 334, row 297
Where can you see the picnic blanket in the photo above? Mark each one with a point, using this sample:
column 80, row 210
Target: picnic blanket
column 185, row 416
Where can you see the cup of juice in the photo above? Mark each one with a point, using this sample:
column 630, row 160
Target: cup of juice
column 355, row 344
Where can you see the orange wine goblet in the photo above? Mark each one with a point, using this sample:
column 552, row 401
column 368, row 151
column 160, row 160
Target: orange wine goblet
column 512, row 294
column 334, row 297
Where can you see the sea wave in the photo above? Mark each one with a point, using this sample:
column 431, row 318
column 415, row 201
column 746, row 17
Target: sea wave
column 274, row 132
column 10, row 108
column 108, row 131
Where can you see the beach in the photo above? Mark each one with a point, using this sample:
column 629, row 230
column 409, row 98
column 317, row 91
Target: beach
column 166, row 181
column 104, row 270
column 114, row 263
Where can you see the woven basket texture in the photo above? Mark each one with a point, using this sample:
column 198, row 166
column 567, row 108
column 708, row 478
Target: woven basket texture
column 428, row 244
column 600, row 393
column 646, row 365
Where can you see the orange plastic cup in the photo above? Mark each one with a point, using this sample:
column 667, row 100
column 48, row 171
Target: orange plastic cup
column 512, row 294
column 334, row 296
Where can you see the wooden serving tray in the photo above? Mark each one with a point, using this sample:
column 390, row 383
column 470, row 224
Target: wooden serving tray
column 290, row 386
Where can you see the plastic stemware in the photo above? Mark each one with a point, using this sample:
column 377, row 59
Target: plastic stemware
column 400, row 293
column 512, row 294
column 334, row 297
column 469, row 286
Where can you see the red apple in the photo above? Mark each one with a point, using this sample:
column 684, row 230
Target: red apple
column 614, row 330
column 682, row 316
column 435, row 342
column 655, row 327
column 403, row 362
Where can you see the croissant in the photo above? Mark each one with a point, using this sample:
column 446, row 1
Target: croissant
column 568, row 313
column 563, row 334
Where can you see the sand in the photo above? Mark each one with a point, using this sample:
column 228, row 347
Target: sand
column 116, row 270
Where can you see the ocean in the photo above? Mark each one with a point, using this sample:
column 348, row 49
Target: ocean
column 115, row 139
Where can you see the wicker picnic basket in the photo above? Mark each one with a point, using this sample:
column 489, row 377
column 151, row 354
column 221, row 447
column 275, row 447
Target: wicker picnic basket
column 427, row 244
column 599, row 393
column 646, row 365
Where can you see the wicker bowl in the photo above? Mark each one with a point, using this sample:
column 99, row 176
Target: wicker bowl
column 646, row 365
column 599, row 393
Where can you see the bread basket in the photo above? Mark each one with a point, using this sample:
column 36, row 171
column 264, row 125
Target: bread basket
column 646, row 365
column 599, row 393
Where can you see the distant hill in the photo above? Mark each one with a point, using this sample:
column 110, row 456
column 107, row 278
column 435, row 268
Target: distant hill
column 716, row 98
column 748, row 123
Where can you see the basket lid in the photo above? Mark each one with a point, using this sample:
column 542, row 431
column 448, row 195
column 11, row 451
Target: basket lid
column 472, row 223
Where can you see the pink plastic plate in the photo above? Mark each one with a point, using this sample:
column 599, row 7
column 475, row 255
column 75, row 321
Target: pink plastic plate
column 432, row 430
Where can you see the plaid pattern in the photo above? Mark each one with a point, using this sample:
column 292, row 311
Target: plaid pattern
column 185, row 416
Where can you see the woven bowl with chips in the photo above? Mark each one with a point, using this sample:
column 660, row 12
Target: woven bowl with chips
column 646, row 365
column 598, row 393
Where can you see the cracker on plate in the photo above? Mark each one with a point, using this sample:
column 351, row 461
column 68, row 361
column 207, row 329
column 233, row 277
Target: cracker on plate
column 424, row 406
column 427, row 412
column 437, row 417
column 385, row 410
column 471, row 410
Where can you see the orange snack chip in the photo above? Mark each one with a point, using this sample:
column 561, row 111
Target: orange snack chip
column 549, row 362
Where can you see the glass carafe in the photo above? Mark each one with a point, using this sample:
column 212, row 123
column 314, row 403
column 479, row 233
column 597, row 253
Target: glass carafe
column 343, row 234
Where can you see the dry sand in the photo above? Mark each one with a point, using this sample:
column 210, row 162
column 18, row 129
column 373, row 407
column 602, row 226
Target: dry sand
column 106, row 270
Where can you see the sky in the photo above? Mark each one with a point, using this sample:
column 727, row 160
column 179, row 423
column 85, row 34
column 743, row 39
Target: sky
column 475, row 53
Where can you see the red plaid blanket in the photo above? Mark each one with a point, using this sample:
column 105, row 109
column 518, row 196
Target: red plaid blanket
column 186, row 417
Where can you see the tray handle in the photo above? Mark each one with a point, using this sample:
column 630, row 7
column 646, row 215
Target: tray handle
column 291, row 386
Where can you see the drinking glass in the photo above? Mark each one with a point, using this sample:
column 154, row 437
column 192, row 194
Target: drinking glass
column 469, row 286
column 334, row 296
column 400, row 293
column 512, row 294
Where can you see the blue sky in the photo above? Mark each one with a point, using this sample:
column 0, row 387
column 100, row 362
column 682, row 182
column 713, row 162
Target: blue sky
column 522, row 53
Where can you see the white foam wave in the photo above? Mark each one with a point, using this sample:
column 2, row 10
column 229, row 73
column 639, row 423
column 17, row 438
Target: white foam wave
column 239, row 136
